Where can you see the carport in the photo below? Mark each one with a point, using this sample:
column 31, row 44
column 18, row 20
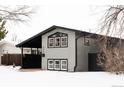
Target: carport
column 33, row 58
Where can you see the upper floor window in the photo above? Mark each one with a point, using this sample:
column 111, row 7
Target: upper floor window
column 58, row 39
column 64, row 41
column 86, row 41
column 51, row 42
column 57, row 42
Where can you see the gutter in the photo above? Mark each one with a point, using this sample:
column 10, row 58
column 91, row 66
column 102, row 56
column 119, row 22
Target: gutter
column 75, row 55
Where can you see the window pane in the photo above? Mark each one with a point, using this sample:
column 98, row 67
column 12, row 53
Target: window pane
column 51, row 42
column 63, row 64
column 57, row 62
column 87, row 41
column 63, row 41
column 57, row 41
column 57, row 65
column 34, row 51
column 50, row 64
column 64, row 67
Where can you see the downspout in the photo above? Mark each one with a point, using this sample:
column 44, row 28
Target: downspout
column 75, row 55
column 41, row 52
column 76, row 50
column 21, row 57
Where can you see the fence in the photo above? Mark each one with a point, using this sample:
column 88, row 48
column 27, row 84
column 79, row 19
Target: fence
column 10, row 59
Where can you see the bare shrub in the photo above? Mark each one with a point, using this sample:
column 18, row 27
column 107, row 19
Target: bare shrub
column 111, row 56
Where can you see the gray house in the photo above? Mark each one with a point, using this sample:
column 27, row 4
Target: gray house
column 60, row 49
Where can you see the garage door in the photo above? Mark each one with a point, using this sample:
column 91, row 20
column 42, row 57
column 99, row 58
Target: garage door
column 57, row 64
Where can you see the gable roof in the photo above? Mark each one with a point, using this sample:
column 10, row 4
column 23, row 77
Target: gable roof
column 35, row 41
column 38, row 36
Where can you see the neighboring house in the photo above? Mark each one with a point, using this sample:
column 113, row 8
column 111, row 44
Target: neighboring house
column 8, row 48
column 60, row 49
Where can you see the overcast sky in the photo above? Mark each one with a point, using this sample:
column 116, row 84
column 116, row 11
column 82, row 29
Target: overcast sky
column 82, row 15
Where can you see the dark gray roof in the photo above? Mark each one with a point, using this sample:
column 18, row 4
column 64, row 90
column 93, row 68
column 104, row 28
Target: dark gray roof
column 22, row 44
column 35, row 41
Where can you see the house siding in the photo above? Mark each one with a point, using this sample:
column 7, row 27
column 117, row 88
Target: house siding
column 82, row 53
column 59, row 53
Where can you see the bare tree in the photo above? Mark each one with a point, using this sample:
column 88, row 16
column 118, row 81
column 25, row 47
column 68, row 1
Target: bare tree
column 113, row 21
column 111, row 55
column 14, row 37
column 19, row 13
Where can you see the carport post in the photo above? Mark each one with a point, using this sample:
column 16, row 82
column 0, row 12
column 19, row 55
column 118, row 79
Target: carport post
column 31, row 50
column 37, row 51
column 21, row 56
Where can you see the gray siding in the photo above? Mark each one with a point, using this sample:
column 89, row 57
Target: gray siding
column 82, row 53
column 59, row 53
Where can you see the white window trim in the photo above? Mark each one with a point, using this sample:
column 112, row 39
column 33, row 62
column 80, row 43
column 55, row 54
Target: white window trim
column 87, row 41
column 57, row 64
column 66, row 41
column 53, row 42
column 64, row 64
column 50, row 64
column 59, row 41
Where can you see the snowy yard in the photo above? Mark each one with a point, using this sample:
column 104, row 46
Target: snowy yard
column 10, row 76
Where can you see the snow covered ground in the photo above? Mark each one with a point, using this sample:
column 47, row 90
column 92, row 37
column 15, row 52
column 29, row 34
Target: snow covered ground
column 10, row 76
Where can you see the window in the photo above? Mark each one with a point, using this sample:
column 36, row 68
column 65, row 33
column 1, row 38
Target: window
column 39, row 51
column 58, row 39
column 51, row 42
column 86, row 41
column 63, row 64
column 28, row 51
column 57, row 42
column 33, row 51
column 64, row 41
column 50, row 64
column 57, row 64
